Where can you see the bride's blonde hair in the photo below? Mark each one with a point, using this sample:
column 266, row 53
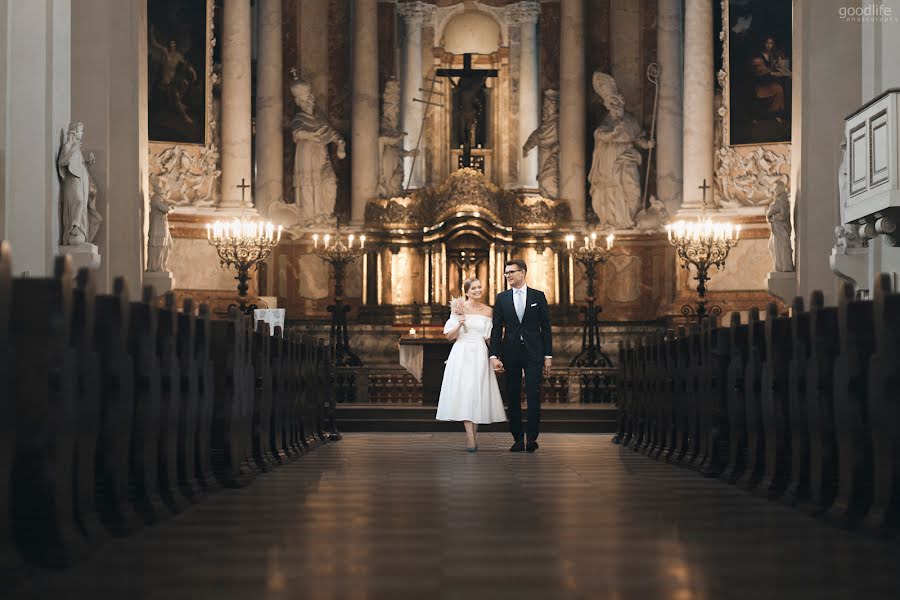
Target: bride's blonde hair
column 468, row 283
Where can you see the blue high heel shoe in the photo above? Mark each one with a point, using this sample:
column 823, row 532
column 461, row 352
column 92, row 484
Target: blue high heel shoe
column 472, row 449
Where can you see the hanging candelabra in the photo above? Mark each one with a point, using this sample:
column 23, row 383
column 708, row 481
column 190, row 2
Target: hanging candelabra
column 590, row 255
column 243, row 244
column 702, row 243
column 333, row 250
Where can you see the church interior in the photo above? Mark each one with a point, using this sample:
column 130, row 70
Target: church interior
column 233, row 240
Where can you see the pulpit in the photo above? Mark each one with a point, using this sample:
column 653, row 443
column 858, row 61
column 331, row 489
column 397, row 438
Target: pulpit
column 425, row 357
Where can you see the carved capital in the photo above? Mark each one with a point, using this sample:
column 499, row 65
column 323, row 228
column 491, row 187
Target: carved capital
column 525, row 12
column 415, row 13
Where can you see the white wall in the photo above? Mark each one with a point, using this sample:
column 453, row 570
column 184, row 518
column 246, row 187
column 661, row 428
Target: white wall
column 827, row 75
column 36, row 103
column 109, row 94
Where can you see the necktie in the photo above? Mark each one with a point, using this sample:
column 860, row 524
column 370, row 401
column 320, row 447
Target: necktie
column 520, row 304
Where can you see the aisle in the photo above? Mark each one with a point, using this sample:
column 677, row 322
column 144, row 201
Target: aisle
column 414, row 515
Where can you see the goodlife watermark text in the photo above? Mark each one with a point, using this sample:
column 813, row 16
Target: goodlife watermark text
column 870, row 13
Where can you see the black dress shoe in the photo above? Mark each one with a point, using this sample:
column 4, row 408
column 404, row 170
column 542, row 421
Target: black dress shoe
column 531, row 446
column 517, row 447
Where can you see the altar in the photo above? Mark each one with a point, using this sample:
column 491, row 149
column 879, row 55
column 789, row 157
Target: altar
column 425, row 357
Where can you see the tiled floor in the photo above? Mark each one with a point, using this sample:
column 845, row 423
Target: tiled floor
column 415, row 516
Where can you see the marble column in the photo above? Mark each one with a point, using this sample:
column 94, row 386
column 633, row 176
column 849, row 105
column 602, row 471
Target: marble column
column 625, row 52
column 669, row 117
column 572, row 118
column 414, row 16
column 236, row 105
column 529, row 89
column 35, row 104
column 697, row 160
column 269, row 107
column 364, row 116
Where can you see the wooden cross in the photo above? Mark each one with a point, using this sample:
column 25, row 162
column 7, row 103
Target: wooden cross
column 243, row 187
column 470, row 80
column 703, row 187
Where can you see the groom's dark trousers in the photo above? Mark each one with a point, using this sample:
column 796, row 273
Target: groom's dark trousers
column 522, row 347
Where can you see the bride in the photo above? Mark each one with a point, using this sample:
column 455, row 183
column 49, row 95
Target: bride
column 469, row 391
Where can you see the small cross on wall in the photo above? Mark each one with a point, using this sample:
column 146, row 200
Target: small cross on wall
column 244, row 186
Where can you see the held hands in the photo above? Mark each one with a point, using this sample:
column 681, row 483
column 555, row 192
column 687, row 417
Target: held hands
column 497, row 365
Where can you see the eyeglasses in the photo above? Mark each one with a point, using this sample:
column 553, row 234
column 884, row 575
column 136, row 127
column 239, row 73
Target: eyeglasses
column 508, row 273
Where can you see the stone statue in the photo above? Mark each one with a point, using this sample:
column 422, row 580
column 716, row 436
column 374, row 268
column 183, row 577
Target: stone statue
column 546, row 138
column 390, row 143
column 615, row 176
column 779, row 217
column 315, row 185
column 80, row 219
column 652, row 218
column 159, row 240
column 844, row 178
column 847, row 238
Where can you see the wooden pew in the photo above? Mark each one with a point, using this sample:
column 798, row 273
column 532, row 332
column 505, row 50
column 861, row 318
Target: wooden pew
column 774, row 404
column 114, row 474
column 824, row 346
column 188, row 419
column 325, row 395
column 232, row 412
column 856, row 321
column 622, row 402
column 42, row 493
column 854, row 448
column 206, row 395
column 10, row 563
column 692, row 396
column 334, row 432
column 667, row 396
column 302, row 363
column 734, row 393
column 798, row 486
column 649, row 375
column 756, row 356
column 681, row 376
column 142, row 336
column 262, row 405
column 88, row 403
column 718, row 364
column 249, row 379
column 884, row 411
column 280, row 391
column 170, row 403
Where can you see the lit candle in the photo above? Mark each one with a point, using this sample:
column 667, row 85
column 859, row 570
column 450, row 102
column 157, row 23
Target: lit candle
column 327, row 239
column 412, row 331
column 350, row 239
column 609, row 241
column 278, row 239
column 362, row 241
column 586, row 242
column 315, row 238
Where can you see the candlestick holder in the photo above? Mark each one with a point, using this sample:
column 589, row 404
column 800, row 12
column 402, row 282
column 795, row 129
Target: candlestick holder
column 590, row 255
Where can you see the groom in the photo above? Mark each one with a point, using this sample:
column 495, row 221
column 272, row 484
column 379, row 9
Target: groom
column 527, row 346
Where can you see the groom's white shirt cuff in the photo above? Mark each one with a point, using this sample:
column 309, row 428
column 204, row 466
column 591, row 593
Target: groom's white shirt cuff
column 493, row 356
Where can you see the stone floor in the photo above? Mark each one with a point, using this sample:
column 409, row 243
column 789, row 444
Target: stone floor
column 415, row 516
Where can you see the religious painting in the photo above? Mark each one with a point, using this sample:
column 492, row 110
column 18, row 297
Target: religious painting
column 757, row 42
column 177, row 43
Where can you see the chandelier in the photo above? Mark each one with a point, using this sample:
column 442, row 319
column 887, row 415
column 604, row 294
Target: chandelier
column 590, row 255
column 338, row 254
column 702, row 243
column 243, row 244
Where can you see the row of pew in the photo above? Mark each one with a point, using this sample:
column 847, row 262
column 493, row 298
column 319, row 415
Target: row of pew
column 804, row 408
column 116, row 414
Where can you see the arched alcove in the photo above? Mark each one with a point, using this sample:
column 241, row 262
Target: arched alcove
column 473, row 32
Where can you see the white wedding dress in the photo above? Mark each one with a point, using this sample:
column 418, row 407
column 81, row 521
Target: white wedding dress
column 469, row 391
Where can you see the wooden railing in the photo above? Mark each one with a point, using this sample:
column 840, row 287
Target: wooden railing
column 394, row 385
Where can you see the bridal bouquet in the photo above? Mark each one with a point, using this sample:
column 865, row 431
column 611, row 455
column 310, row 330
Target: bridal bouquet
column 457, row 306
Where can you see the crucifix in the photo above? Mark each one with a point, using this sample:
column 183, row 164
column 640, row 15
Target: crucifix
column 243, row 187
column 469, row 88
column 703, row 187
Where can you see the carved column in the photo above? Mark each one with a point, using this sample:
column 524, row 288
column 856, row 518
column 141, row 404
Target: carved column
column 698, row 101
column 669, row 119
column 414, row 15
column 364, row 115
column 527, row 13
column 236, row 136
column 269, row 107
column 572, row 119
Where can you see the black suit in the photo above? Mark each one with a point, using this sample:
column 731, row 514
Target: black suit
column 523, row 348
